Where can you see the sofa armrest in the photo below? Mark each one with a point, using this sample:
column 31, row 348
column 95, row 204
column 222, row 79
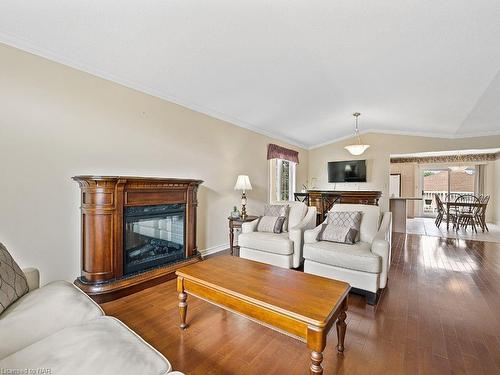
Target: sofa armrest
column 381, row 246
column 249, row 227
column 33, row 278
column 310, row 236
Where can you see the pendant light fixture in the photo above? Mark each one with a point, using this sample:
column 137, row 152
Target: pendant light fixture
column 359, row 148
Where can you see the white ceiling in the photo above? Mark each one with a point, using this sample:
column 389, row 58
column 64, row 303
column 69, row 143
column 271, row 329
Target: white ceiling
column 295, row 70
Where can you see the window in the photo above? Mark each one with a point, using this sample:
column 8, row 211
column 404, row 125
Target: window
column 282, row 180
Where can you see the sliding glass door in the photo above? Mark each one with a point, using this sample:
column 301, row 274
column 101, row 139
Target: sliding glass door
column 450, row 181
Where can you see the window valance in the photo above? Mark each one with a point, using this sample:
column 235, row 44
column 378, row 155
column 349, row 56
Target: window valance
column 278, row 152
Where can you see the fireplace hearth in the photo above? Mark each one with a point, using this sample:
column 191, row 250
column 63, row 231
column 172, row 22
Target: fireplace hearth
column 136, row 231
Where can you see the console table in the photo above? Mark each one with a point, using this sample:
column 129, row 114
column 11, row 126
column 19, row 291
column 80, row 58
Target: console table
column 355, row 196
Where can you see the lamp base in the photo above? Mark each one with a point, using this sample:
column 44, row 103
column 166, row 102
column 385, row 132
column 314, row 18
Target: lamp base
column 243, row 204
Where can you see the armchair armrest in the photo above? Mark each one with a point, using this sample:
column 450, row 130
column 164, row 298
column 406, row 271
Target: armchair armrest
column 249, row 227
column 308, row 222
column 33, row 278
column 381, row 246
column 296, row 234
column 311, row 235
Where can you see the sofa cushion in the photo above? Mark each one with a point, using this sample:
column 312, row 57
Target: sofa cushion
column 42, row 312
column 355, row 257
column 102, row 346
column 13, row 283
column 270, row 242
column 370, row 219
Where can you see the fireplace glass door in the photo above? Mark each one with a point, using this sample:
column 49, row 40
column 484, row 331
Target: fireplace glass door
column 153, row 236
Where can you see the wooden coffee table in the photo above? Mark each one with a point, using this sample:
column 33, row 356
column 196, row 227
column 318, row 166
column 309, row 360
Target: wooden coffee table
column 298, row 304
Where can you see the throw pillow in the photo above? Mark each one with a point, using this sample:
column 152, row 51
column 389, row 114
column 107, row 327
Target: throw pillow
column 13, row 283
column 270, row 224
column 278, row 210
column 341, row 227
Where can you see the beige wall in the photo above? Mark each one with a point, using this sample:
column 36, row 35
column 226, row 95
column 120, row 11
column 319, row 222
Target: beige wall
column 57, row 122
column 378, row 158
column 409, row 188
column 496, row 203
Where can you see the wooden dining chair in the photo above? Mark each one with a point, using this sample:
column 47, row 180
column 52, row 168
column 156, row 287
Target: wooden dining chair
column 302, row 197
column 467, row 214
column 441, row 210
column 481, row 214
column 327, row 202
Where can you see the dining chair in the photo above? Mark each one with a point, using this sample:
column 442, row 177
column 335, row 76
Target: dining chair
column 481, row 214
column 441, row 212
column 327, row 202
column 302, row 197
column 467, row 213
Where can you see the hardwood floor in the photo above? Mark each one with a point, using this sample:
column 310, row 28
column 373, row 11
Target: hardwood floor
column 440, row 314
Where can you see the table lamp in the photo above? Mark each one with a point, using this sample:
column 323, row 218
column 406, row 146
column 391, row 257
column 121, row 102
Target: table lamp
column 243, row 184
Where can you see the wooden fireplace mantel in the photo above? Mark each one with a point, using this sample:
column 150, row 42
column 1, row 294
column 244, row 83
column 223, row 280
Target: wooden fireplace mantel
column 103, row 199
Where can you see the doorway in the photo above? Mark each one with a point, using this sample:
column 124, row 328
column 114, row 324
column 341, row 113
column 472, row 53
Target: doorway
column 447, row 183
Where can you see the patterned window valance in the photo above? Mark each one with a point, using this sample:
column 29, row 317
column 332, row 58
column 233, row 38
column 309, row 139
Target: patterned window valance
column 278, row 152
column 445, row 159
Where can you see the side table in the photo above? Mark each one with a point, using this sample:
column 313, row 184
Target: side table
column 236, row 224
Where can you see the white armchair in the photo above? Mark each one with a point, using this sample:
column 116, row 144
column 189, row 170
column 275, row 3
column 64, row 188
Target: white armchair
column 284, row 249
column 365, row 264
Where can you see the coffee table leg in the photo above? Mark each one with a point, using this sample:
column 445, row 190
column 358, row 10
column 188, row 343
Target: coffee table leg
column 316, row 359
column 341, row 327
column 316, row 342
column 182, row 302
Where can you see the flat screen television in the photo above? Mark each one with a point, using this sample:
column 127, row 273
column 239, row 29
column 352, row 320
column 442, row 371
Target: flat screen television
column 347, row 171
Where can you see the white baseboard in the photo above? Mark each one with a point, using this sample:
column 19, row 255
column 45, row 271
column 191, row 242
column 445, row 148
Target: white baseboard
column 214, row 249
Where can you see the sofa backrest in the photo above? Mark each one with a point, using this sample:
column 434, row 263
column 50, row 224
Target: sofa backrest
column 370, row 220
column 297, row 212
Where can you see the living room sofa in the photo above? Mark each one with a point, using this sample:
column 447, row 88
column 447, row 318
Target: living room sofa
column 57, row 329
column 283, row 249
column 364, row 264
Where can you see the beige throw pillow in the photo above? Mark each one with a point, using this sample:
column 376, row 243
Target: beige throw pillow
column 278, row 210
column 13, row 283
column 270, row 224
column 341, row 227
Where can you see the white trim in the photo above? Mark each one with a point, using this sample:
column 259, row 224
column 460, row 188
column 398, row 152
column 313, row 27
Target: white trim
column 214, row 249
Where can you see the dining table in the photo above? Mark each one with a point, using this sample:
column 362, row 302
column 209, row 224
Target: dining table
column 452, row 204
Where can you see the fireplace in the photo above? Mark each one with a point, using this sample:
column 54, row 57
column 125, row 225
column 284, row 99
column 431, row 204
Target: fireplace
column 136, row 232
column 153, row 236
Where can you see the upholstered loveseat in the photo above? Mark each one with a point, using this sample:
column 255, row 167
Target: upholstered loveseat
column 57, row 329
column 365, row 264
column 283, row 249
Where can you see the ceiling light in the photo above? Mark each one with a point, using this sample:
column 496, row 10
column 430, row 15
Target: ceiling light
column 359, row 148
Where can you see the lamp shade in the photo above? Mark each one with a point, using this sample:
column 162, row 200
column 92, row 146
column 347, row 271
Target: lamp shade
column 243, row 183
column 356, row 149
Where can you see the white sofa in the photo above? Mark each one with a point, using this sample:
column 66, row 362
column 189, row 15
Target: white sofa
column 365, row 264
column 284, row 249
column 60, row 330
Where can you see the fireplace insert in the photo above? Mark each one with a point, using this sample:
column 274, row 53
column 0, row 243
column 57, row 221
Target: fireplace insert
column 153, row 236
